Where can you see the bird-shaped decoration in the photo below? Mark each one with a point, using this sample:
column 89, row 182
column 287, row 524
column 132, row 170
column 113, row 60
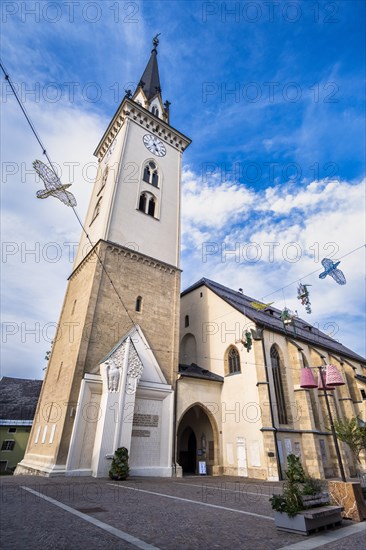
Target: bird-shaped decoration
column 331, row 268
column 53, row 185
column 259, row 306
column 303, row 295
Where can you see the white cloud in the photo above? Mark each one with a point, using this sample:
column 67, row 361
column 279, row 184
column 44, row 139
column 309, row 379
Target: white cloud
column 286, row 234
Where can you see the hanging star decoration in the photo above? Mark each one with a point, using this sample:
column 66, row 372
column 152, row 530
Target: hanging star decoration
column 247, row 343
column 303, row 295
column 331, row 268
column 53, row 185
column 246, row 340
column 259, row 306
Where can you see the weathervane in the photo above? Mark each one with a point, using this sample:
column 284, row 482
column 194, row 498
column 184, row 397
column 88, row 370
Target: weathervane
column 156, row 40
column 53, row 185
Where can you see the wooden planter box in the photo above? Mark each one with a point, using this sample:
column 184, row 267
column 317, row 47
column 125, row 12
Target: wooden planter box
column 308, row 520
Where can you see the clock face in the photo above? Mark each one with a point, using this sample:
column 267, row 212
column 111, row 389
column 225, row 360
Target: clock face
column 154, row 145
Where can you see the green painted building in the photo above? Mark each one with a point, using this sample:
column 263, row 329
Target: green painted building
column 18, row 402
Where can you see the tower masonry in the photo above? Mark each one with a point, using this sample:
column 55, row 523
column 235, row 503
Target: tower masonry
column 111, row 375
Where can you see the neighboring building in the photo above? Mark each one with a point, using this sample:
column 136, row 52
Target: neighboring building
column 18, row 402
column 243, row 411
column 115, row 355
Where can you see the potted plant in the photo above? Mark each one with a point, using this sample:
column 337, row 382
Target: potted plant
column 302, row 506
column 119, row 469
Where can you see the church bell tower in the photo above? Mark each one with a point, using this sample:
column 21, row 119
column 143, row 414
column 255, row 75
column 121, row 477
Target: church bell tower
column 111, row 375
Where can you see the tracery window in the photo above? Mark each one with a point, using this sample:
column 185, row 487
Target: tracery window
column 278, row 386
column 151, row 174
column 233, row 360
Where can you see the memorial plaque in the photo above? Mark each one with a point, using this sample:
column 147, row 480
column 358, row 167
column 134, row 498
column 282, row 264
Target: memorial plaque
column 148, row 420
column 140, row 433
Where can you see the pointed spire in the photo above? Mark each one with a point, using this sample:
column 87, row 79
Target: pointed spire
column 150, row 81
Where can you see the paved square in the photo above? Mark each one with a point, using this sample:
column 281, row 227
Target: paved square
column 189, row 513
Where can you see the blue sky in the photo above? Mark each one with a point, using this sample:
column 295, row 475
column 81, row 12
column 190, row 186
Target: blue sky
column 272, row 95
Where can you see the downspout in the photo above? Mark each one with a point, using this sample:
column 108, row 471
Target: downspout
column 279, row 468
column 175, row 426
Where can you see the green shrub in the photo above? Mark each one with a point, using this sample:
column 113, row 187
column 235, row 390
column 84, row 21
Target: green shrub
column 119, row 469
column 312, row 486
column 298, row 484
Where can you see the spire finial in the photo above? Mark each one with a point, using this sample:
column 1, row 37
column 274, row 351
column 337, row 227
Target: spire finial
column 156, row 41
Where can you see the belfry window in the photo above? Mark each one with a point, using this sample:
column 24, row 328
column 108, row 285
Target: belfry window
column 147, row 204
column 104, row 179
column 278, row 386
column 151, row 209
column 155, row 110
column 97, row 209
column 232, row 361
column 151, row 174
column 142, row 202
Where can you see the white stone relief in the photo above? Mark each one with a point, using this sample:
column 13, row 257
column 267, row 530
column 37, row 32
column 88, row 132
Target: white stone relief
column 114, row 367
column 134, row 372
column 113, row 375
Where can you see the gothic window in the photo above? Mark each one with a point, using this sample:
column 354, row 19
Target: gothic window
column 138, row 306
column 151, row 208
column 278, row 387
column 232, row 360
column 147, row 204
column 97, row 209
column 186, row 321
column 155, row 110
column 151, row 174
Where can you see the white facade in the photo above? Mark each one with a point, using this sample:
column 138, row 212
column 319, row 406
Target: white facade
column 113, row 213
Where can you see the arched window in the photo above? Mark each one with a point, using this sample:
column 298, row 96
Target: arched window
column 104, row 178
column 186, row 321
column 188, row 350
column 278, row 387
column 155, row 110
column 97, row 209
column 148, row 204
column 151, row 174
column 142, row 202
column 232, row 360
column 138, row 306
column 151, row 209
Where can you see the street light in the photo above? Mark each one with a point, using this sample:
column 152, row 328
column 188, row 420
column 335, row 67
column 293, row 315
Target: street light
column 332, row 378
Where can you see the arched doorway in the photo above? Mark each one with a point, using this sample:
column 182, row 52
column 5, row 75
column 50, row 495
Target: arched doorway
column 196, row 440
column 188, row 451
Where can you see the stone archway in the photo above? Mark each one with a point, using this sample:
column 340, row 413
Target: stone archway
column 196, row 440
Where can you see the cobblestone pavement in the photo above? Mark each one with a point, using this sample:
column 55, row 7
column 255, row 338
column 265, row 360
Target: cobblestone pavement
column 171, row 514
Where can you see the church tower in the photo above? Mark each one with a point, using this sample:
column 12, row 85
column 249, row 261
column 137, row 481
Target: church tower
column 111, row 375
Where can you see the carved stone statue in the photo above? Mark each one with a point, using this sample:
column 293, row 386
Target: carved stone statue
column 113, row 375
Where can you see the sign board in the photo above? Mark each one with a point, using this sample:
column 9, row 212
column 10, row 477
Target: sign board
column 202, row 470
